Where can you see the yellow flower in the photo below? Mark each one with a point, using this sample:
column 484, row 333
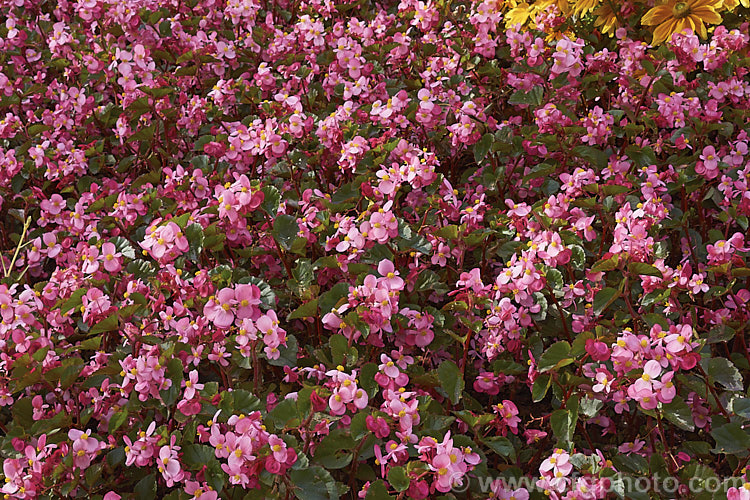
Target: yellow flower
column 562, row 5
column 583, row 7
column 607, row 19
column 730, row 5
column 675, row 16
column 518, row 15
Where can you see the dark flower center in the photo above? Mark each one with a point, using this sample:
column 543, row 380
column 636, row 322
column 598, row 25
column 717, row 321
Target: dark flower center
column 680, row 10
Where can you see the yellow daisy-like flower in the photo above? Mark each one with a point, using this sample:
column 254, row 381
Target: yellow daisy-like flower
column 583, row 7
column 519, row 14
column 675, row 15
column 606, row 19
column 730, row 5
column 562, row 5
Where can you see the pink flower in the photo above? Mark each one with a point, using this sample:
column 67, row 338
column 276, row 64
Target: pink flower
column 603, row 381
column 200, row 491
column 248, row 300
column 518, row 209
column 54, row 205
column 111, row 257
column 559, row 462
column 278, row 448
column 487, row 382
column 390, row 275
column 337, row 404
column 219, row 309
column 634, row 447
column 360, row 399
column 471, row 280
column 50, row 244
column 597, row 350
column 168, row 463
column 710, row 158
column 192, row 385
column 534, row 435
column 388, row 367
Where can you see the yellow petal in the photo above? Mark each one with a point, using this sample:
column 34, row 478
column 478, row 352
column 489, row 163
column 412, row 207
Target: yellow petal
column 694, row 4
column 681, row 25
column 700, row 28
column 706, row 14
column 657, row 15
column 663, row 31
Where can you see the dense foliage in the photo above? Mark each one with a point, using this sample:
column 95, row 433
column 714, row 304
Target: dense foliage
column 304, row 248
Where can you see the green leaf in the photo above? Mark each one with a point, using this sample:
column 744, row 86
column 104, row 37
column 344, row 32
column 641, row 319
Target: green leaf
column 541, row 170
column 329, row 299
column 593, row 155
column 174, row 373
column 563, row 424
column 643, row 157
column 141, row 269
column 678, row 412
column 306, row 310
column 146, row 487
column 245, row 402
column 158, row 92
column 287, row 354
column 554, row 278
column 346, row 193
column 604, row 298
column 606, row 264
column 398, row 478
column 74, row 301
column 532, row 97
column 37, row 129
column 556, row 356
column 730, row 438
column 451, row 380
column 449, row 232
column 195, row 456
column 540, row 387
column 117, row 420
column 71, row 369
column 378, row 491
column 271, row 199
column 194, row 235
column 501, row 445
column 314, row 483
column 412, row 240
column 741, row 406
column 724, row 372
column 339, row 348
column 144, row 134
column 590, row 407
column 285, row 229
column 267, row 295
column 108, row 324
column 123, row 246
column 335, row 450
column 578, row 256
column 427, row 280
column 303, row 272
column 643, row 269
column 482, row 147
column 283, row 413
column 116, row 456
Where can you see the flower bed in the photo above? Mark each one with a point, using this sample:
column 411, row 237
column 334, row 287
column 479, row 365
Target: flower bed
column 398, row 250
